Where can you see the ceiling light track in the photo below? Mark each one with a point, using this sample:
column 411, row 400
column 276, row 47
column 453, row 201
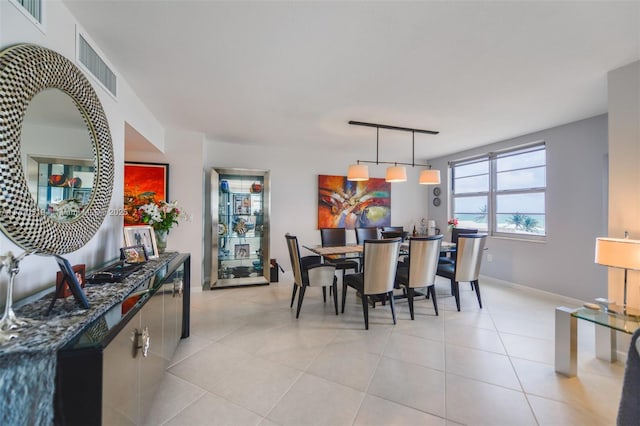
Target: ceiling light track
column 396, row 173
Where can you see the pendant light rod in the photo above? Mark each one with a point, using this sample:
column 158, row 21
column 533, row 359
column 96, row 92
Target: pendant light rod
column 394, row 163
column 387, row 126
column 413, row 144
column 413, row 148
column 394, row 174
column 377, row 143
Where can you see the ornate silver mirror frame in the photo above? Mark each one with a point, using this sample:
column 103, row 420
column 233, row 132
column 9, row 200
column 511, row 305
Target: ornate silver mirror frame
column 25, row 70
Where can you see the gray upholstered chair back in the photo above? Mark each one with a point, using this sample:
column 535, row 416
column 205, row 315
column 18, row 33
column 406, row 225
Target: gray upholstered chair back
column 294, row 256
column 380, row 264
column 424, row 253
column 469, row 257
column 366, row 234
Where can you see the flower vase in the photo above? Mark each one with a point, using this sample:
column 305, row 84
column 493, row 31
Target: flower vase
column 161, row 240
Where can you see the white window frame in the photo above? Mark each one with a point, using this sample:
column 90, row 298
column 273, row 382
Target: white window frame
column 492, row 192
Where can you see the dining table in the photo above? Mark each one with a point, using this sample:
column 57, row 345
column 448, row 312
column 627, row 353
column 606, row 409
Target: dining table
column 354, row 250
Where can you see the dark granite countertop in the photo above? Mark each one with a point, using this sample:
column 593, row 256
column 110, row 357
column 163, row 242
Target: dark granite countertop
column 47, row 334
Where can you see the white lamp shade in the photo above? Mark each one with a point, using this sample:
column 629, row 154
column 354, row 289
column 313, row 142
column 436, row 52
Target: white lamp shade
column 618, row 253
column 429, row 177
column 358, row 172
column 396, row 174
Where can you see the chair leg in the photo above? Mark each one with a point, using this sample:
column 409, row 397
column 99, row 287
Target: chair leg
column 393, row 308
column 344, row 295
column 324, row 294
column 410, row 293
column 365, row 311
column 293, row 295
column 432, row 289
column 334, row 286
column 300, row 297
column 476, row 284
column 456, row 293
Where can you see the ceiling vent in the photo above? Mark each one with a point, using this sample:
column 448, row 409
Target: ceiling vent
column 96, row 66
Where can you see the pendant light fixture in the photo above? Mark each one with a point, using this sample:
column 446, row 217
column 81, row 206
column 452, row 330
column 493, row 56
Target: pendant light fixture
column 358, row 172
column 397, row 172
column 429, row 177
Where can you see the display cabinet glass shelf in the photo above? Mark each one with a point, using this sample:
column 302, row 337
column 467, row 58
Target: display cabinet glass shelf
column 240, row 219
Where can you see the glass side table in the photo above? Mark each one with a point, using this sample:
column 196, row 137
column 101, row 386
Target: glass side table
column 607, row 322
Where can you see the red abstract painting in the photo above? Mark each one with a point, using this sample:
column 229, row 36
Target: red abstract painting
column 347, row 204
column 143, row 183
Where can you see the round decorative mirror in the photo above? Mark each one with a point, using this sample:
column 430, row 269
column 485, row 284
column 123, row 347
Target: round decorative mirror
column 31, row 212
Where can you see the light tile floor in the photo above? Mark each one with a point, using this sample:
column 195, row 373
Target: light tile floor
column 250, row 362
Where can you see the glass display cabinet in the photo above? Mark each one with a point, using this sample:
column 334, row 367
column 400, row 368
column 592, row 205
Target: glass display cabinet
column 240, row 219
column 61, row 186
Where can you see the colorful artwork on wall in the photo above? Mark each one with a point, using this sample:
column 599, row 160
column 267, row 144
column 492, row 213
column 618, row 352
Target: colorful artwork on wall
column 143, row 183
column 346, row 204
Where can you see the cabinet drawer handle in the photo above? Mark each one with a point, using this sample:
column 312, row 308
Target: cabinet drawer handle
column 143, row 341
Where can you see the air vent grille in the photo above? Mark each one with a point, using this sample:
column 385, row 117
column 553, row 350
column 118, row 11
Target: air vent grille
column 33, row 7
column 90, row 59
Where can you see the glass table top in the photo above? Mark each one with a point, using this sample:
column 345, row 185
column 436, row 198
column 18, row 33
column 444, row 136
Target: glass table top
column 612, row 318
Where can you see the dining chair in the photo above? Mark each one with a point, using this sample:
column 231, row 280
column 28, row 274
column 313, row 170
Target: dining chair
column 467, row 266
column 334, row 237
column 455, row 233
column 378, row 277
column 420, row 270
column 309, row 272
column 363, row 234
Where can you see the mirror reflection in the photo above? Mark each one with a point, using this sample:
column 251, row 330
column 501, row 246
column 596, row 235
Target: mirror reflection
column 58, row 155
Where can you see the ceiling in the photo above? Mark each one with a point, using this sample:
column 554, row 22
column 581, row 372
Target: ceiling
column 292, row 74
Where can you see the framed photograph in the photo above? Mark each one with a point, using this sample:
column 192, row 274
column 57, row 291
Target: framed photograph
column 142, row 236
column 241, row 204
column 241, row 251
column 62, row 286
column 143, row 183
column 133, row 254
column 72, row 276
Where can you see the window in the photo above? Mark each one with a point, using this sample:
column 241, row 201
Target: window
column 502, row 193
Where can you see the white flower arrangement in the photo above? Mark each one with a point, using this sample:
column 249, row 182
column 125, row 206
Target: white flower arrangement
column 162, row 216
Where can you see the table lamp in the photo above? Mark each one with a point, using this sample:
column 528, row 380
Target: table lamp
column 621, row 253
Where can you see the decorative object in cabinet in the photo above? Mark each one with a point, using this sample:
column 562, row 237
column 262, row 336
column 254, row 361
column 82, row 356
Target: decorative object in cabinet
column 240, row 237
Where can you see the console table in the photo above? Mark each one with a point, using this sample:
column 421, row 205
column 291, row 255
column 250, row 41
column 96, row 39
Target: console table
column 607, row 324
column 61, row 367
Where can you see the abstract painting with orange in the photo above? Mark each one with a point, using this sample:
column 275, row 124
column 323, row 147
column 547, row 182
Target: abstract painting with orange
column 143, row 183
column 347, row 204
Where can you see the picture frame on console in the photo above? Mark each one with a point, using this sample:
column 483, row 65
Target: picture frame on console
column 133, row 254
column 71, row 276
column 142, row 235
column 62, row 285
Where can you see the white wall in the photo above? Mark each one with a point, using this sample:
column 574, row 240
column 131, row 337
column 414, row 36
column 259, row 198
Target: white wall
column 576, row 213
column 38, row 272
column 624, row 170
column 184, row 153
column 294, row 188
